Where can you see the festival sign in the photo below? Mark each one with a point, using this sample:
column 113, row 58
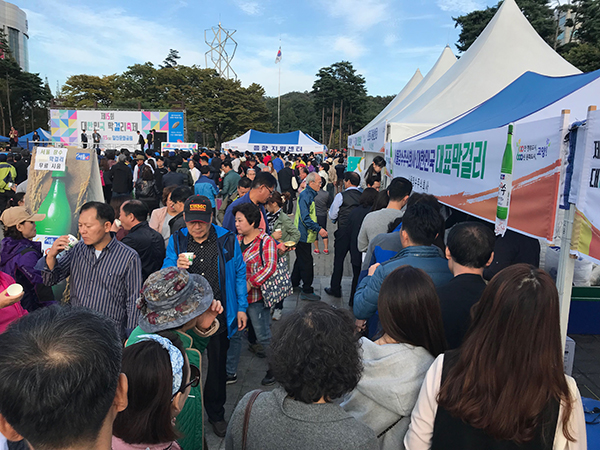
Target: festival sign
column 586, row 240
column 115, row 127
column 191, row 147
column 463, row 171
column 371, row 140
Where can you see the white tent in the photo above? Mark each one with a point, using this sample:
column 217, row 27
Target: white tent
column 507, row 48
column 413, row 89
column 257, row 141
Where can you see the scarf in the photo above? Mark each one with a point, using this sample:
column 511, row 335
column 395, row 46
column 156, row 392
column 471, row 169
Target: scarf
column 272, row 218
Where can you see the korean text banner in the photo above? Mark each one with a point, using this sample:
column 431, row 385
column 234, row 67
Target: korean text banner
column 587, row 219
column 115, row 127
column 371, row 140
column 463, row 171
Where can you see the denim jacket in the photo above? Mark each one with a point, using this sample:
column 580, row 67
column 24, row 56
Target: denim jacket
column 428, row 258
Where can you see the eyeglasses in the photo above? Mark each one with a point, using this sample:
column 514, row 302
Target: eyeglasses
column 270, row 190
column 194, row 379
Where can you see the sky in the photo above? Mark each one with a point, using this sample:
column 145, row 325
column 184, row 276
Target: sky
column 386, row 40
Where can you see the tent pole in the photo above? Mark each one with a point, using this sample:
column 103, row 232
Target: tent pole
column 566, row 262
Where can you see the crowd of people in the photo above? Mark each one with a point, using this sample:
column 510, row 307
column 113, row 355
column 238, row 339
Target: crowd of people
column 450, row 342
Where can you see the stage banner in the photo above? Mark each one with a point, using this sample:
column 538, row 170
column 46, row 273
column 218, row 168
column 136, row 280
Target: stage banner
column 464, row 172
column 114, row 127
column 586, row 242
column 187, row 146
column 371, row 140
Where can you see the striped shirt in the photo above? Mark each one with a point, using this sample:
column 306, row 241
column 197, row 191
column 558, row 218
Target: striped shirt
column 109, row 284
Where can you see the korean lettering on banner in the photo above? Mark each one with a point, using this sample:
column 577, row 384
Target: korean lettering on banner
column 463, row 160
column 50, row 158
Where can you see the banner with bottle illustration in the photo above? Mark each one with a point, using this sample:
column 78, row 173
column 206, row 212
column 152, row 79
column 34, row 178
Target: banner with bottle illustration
column 114, row 127
column 60, row 193
column 463, row 171
column 586, row 228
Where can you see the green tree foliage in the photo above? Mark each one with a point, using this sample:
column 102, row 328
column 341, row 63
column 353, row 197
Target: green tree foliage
column 171, row 59
column 221, row 108
column 339, row 92
column 538, row 13
column 584, row 49
column 24, row 97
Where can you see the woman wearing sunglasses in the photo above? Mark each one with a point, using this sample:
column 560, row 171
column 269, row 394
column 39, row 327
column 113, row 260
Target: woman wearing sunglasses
column 160, row 378
column 175, row 300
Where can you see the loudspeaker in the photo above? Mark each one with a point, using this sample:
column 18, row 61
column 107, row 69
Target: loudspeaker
column 159, row 138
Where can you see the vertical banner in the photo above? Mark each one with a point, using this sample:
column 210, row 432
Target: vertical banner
column 587, row 219
column 60, row 193
column 463, row 172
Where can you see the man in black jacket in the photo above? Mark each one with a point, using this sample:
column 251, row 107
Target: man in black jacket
column 173, row 178
column 148, row 243
column 285, row 176
column 469, row 251
column 121, row 178
column 141, row 140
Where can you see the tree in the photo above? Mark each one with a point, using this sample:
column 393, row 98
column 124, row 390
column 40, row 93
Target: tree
column 539, row 14
column 339, row 86
column 88, row 91
column 23, row 96
column 171, row 59
column 583, row 50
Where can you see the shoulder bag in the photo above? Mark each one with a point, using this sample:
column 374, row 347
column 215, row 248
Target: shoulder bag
column 279, row 285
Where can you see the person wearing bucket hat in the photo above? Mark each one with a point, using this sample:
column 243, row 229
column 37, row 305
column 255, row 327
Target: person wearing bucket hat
column 175, row 300
column 212, row 251
column 20, row 254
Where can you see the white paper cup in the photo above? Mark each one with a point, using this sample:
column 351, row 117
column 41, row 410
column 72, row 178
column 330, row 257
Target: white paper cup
column 189, row 256
column 72, row 241
column 14, row 289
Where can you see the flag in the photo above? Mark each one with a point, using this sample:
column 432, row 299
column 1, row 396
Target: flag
column 278, row 56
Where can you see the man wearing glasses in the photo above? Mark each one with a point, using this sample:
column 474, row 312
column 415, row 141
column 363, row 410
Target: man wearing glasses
column 303, row 267
column 214, row 253
column 263, row 185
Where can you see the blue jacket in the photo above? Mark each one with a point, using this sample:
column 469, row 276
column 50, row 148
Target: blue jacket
column 232, row 271
column 207, row 187
column 306, row 197
column 229, row 219
column 429, row 259
column 277, row 164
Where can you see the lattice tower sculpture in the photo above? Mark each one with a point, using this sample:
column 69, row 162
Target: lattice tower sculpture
column 222, row 50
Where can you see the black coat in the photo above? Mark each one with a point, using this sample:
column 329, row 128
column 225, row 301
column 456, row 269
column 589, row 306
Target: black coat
column 149, row 244
column 121, row 177
column 285, row 176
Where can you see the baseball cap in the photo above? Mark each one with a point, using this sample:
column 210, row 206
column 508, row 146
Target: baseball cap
column 19, row 214
column 197, row 208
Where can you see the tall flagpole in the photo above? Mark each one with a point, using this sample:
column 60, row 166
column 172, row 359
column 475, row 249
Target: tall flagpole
column 279, row 98
column 278, row 61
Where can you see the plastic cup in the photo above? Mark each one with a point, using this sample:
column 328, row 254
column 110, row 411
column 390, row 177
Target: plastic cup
column 14, row 289
column 189, row 256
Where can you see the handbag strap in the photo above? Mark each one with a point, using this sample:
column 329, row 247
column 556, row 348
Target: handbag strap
column 253, row 397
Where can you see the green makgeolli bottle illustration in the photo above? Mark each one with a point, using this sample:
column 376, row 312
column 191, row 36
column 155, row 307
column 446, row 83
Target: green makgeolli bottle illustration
column 56, row 207
column 506, row 173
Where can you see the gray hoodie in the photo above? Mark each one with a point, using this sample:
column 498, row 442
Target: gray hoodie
column 388, row 389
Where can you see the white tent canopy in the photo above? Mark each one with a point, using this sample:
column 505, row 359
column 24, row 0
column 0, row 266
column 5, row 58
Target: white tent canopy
column 507, row 48
column 413, row 89
column 257, row 141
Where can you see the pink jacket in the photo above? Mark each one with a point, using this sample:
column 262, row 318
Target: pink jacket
column 12, row 312
column 158, row 218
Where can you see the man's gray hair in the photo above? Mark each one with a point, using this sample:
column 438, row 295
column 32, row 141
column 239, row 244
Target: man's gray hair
column 311, row 177
column 122, row 158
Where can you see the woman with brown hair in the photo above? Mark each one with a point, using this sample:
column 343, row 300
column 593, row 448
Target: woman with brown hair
column 396, row 363
column 146, row 189
column 505, row 387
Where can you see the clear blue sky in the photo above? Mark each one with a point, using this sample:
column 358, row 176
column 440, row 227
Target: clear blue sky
column 386, row 40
